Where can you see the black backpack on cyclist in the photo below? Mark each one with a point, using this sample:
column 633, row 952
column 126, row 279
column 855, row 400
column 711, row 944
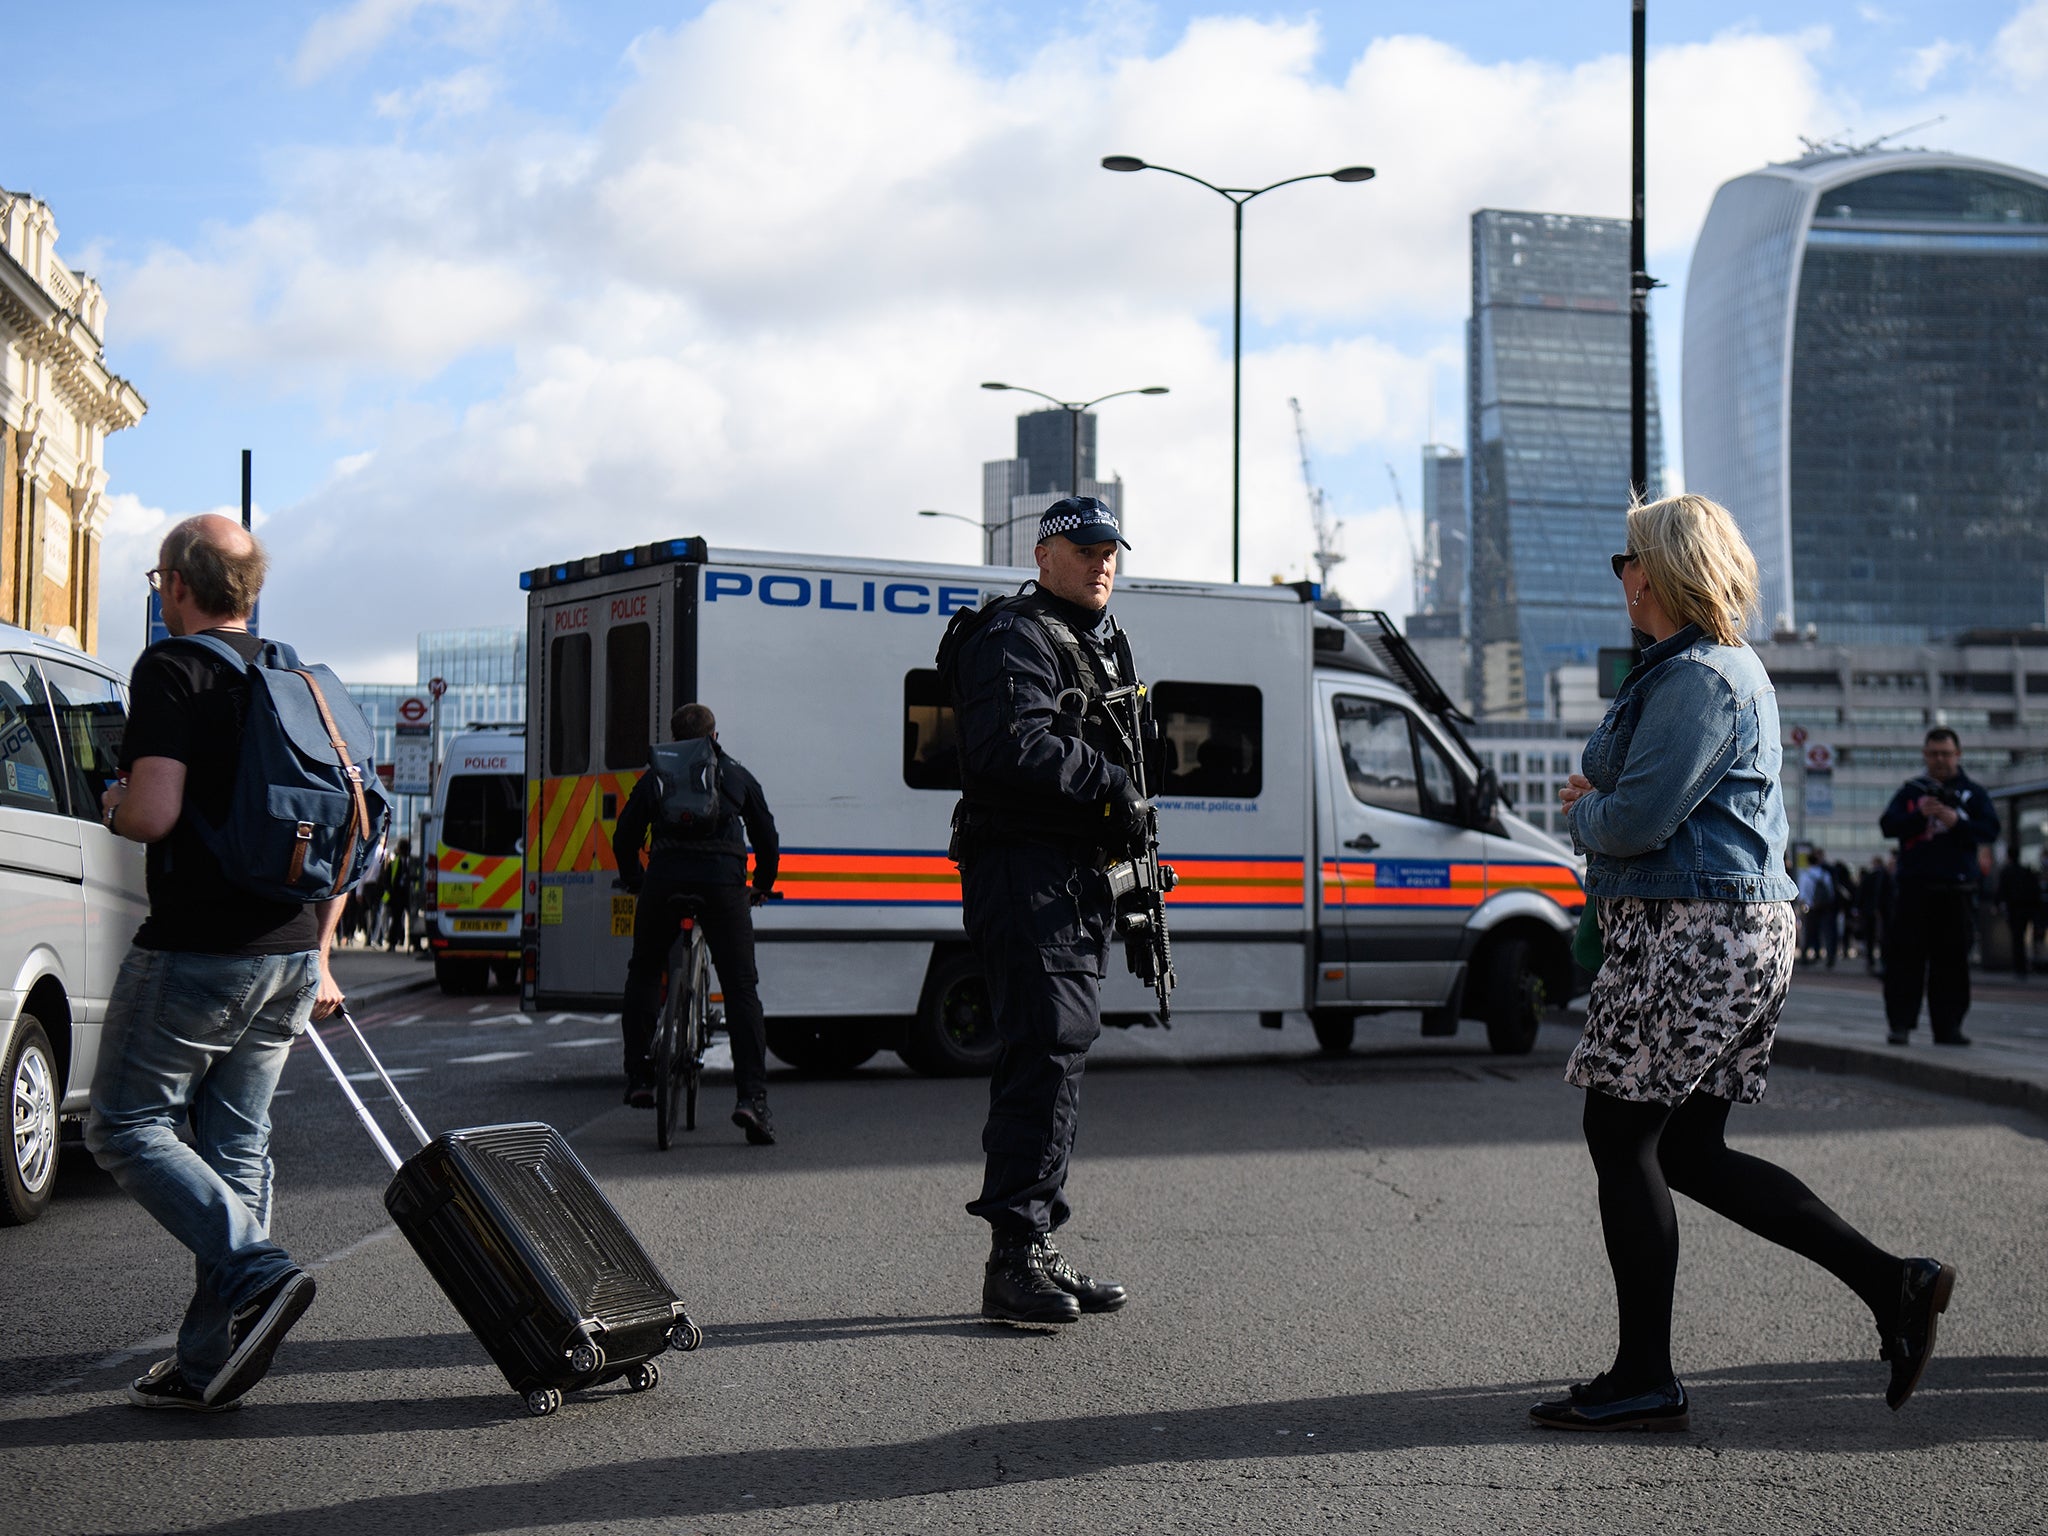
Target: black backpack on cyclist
column 690, row 802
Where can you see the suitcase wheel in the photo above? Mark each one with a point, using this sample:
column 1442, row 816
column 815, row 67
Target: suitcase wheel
column 542, row 1401
column 643, row 1376
column 685, row 1336
column 586, row 1359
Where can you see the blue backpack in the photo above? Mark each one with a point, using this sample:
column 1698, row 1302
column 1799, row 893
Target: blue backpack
column 308, row 810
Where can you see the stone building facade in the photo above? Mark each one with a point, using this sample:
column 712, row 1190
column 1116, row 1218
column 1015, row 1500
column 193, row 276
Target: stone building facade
column 58, row 402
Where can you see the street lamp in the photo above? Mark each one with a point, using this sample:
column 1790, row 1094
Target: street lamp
column 1238, row 197
column 988, row 539
column 1074, row 410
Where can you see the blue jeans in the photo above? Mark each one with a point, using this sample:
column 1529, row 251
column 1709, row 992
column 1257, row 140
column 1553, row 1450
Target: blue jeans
column 201, row 1039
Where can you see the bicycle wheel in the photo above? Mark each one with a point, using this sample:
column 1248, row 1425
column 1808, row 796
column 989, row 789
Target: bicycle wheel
column 698, row 1021
column 668, row 1044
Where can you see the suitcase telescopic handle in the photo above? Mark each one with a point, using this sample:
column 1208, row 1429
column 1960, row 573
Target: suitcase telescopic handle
column 356, row 1100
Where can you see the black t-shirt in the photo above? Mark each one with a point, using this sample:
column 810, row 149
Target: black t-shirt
column 187, row 705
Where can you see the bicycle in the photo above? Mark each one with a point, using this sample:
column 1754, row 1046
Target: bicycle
column 682, row 1034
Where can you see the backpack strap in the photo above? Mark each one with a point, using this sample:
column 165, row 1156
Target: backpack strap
column 217, row 648
column 359, row 825
column 1080, row 657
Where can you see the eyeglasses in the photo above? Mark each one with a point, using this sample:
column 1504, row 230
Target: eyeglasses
column 155, row 577
column 1620, row 561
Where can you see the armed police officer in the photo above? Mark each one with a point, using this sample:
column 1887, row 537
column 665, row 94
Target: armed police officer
column 698, row 857
column 1049, row 793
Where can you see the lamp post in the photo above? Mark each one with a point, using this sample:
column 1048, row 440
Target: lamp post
column 988, row 542
column 1074, row 408
column 1238, row 197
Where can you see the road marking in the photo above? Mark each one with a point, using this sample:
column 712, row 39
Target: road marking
column 395, row 1072
column 500, row 1018
column 488, row 1056
column 481, row 1008
column 410, row 1018
column 571, row 1045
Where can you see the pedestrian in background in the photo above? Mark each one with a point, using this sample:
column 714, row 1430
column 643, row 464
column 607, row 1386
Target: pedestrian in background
column 1874, row 895
column 1941, row 819
column 1682, row 821
column 1843, row 878
column 2019, row 898
column 398, row 897
column 1817, row 908
column 218, row 984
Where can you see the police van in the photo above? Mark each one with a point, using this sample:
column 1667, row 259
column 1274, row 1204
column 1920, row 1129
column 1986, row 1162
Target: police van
column 1340, row 849
column 470, row 895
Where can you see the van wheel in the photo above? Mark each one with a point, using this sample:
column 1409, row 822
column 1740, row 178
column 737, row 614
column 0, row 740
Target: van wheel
column 33, row 1094
column 462, row 978
column 954, row 1033
column 1517, row 998
column 1334, row 1030
column 810, row 1046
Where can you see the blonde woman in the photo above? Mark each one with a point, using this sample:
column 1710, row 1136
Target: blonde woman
column 1682, row 823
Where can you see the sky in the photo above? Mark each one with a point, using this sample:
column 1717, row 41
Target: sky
column 489, row 283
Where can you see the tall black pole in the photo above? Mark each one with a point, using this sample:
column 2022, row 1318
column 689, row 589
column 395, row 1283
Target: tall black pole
column 1236, row 376
column 1074, row 450
column 247, row 455
column 1639, row 299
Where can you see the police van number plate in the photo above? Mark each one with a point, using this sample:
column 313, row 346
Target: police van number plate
column 480, row 924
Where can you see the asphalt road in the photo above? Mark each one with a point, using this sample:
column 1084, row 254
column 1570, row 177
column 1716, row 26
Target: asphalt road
column 1350, row 1278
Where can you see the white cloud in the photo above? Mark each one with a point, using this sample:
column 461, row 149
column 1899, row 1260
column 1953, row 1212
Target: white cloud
column 341, row 37
column 462, row 94
column 1924, row 66
column 754, row 302
column 2020, row 52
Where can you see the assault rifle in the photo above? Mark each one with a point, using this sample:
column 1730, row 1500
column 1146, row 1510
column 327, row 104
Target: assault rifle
column 1138, row 882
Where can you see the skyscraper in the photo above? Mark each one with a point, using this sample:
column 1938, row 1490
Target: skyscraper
column 1866, row 389
column 1015, row 491
column 1547, row 401
column 1443, row 529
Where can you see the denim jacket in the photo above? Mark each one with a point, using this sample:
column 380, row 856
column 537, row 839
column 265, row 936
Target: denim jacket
column 1685, row 800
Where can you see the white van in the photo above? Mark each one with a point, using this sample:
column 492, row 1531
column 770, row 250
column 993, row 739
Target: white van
column 1340, row 849
column 71, row 896
column 470, row 897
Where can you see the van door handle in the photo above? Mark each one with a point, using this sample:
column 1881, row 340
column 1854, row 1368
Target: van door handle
column 1365, row 842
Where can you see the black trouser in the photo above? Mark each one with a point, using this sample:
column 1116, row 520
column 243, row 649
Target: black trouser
column 2018, row 920
column 1040, row 921
column 1927, row 949
column 729, row 931
column 1820, row 933
column 1643, row 1152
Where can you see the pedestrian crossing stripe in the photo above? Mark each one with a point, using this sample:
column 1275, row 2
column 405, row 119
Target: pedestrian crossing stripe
column 1441, row 882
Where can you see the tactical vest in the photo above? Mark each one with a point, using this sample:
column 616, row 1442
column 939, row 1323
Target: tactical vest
column 1083, row 680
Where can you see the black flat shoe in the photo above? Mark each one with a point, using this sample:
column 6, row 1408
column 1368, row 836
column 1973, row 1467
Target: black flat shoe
column 1590, row 1407
column 1909, row 1342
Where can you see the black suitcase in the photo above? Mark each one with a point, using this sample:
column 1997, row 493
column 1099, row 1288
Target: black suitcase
column 539, row 1263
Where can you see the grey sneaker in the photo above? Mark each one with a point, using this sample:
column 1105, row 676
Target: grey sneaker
column 259, row 1326
column 751, row 1116
column 163, row 1385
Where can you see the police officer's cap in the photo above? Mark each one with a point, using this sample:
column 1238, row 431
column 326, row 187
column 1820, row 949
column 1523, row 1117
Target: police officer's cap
column 1083, row 519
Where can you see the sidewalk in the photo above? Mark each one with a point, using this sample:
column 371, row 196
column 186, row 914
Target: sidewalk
column 368, row 974
column 1834, row 1022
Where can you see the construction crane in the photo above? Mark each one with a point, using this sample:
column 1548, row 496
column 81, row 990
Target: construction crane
column 1417, row 565
column 1328, row 555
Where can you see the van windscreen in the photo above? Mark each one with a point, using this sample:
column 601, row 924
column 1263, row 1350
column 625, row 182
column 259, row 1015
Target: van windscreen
column 482, row 814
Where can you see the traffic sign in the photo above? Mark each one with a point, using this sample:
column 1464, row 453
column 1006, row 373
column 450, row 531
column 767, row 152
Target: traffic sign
column 1820, row 757
column 438, row 686
column 1798, row 735
column 413, row 711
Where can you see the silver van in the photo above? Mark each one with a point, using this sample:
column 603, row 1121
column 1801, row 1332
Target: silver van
column 71, row 896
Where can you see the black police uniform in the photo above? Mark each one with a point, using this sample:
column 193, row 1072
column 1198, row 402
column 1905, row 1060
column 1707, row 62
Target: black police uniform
column 1934, row 923
column 1040, row 804
column 713, row 869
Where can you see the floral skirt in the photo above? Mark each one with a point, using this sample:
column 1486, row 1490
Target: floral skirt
column 1687, row 999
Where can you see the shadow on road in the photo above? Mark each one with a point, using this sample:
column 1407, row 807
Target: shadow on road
column 1829, row 1407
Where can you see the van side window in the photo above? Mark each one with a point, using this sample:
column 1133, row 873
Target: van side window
column 90, row 720
column 628, row 695
column 1212, row 740
column 1379, row 757
column 1438, row 781
column 28, row 741
column 931, row 734
column 482, row 814
column 569, row 694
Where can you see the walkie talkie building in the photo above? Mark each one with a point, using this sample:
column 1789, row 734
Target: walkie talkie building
column 1866, row 389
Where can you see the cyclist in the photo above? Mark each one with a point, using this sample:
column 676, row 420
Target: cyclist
column 705, row 860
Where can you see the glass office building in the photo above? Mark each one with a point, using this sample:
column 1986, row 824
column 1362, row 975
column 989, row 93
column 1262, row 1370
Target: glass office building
column 1866, row 389
column 1015, row 491
column 1443, row 529
column 1547, row 434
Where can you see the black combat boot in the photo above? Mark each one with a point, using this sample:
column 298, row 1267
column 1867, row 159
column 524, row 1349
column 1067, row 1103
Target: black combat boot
column 1093, row 1295
column 1017, row 1288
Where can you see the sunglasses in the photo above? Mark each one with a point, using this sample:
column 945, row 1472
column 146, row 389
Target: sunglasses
column 1619, row 562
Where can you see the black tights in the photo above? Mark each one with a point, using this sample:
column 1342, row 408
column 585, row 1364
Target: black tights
column 1644, row 1151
